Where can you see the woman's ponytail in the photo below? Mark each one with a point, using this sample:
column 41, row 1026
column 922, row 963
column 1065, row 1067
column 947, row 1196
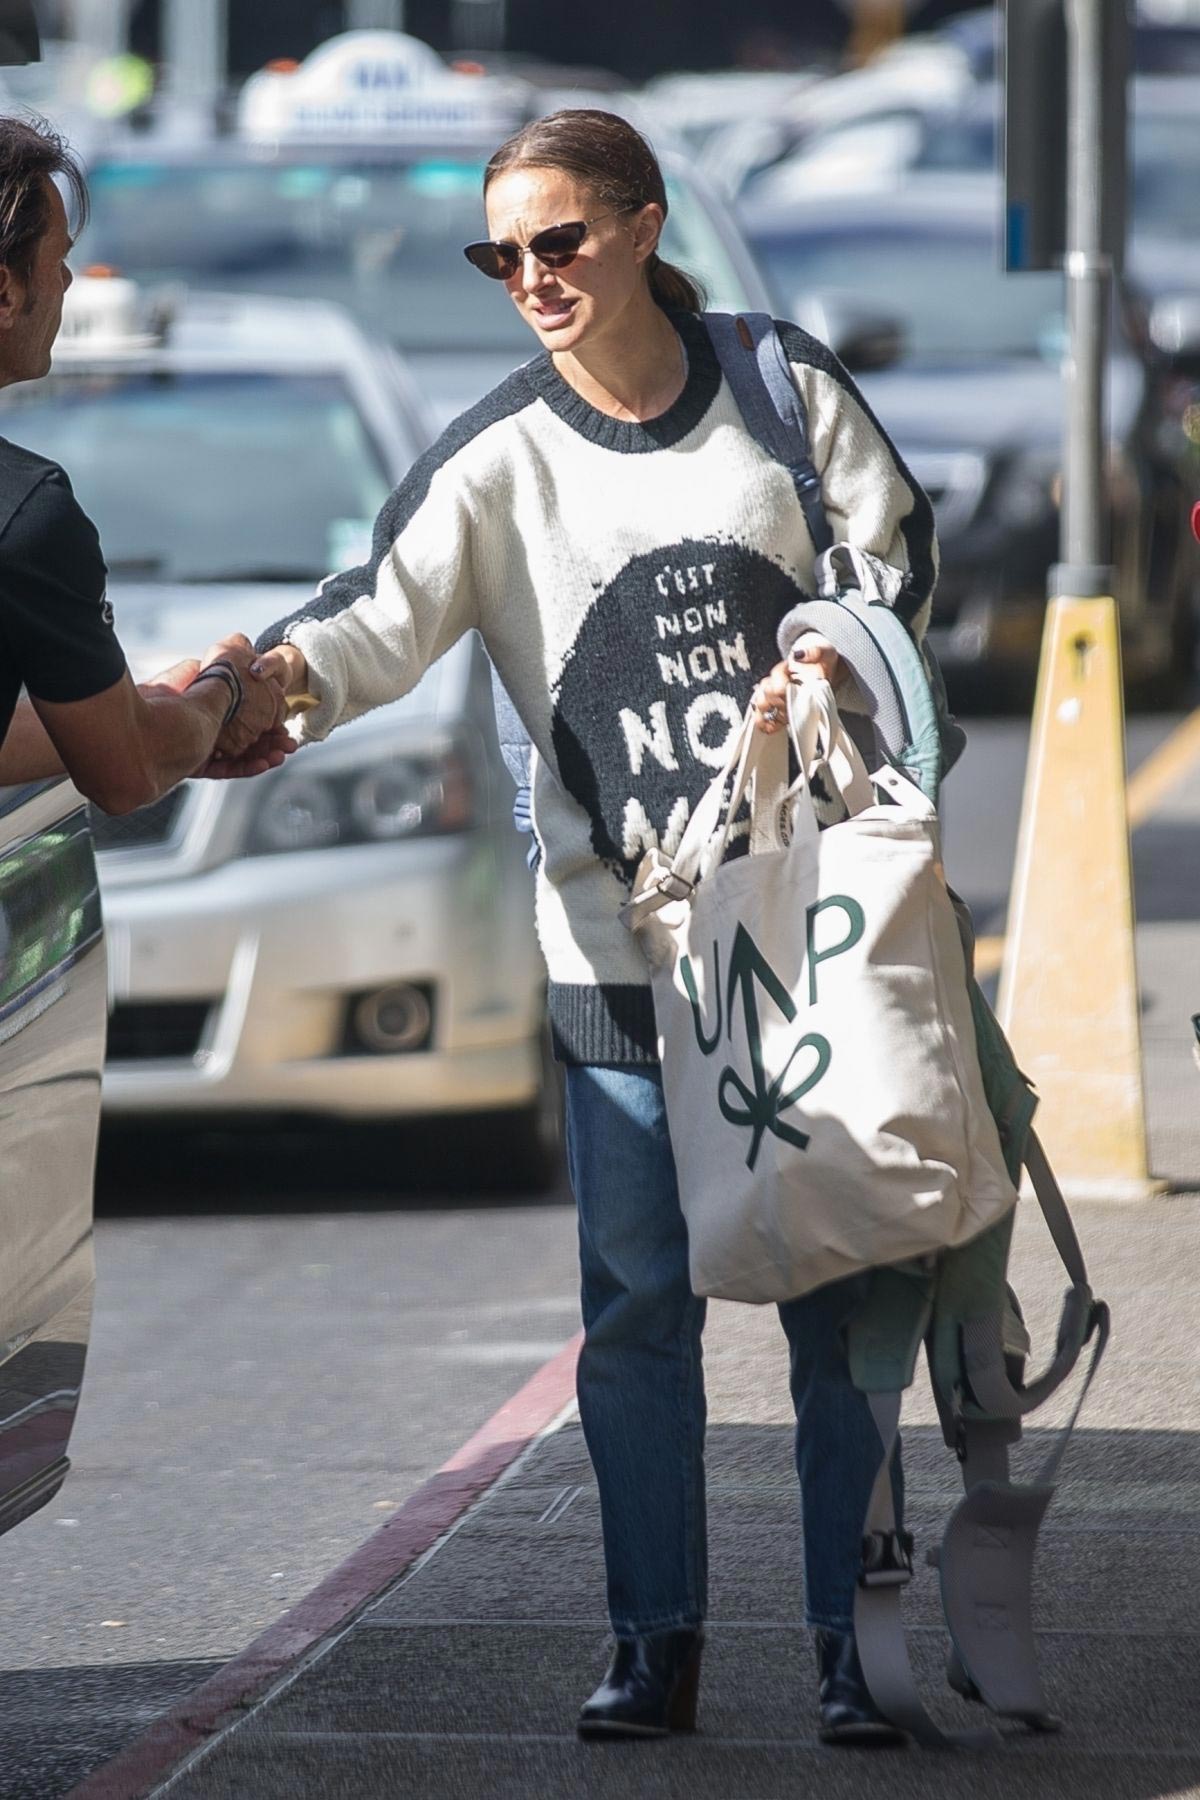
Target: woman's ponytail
column 672, row 289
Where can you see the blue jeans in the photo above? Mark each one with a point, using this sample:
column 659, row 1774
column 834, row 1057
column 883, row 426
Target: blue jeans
column 641, row 1379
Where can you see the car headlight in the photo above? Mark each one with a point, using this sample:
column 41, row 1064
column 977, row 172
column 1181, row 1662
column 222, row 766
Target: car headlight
column 383, row 798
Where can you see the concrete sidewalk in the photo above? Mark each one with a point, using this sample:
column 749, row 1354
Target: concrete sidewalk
column 462, row 1679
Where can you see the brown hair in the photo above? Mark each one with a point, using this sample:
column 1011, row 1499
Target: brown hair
column 617, row 163
column 31, row 154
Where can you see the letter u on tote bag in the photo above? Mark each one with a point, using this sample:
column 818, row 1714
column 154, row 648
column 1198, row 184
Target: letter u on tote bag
column 819, row 1063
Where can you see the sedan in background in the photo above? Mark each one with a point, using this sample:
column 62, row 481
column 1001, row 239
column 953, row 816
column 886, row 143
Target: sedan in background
column 351, row 935
column 972, row 394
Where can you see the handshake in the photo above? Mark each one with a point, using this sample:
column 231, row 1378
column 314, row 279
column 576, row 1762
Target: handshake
column 252, row 737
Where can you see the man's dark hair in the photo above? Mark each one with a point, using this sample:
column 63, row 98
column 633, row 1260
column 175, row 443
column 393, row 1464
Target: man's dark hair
column 32, row 153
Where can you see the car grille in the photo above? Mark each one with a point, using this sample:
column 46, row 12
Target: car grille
column 157, row 1031
column 144, row 829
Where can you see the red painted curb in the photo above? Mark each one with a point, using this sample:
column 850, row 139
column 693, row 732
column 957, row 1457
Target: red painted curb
column 412, row 1530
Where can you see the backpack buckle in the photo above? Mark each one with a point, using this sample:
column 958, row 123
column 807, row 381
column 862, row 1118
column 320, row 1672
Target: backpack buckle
column 673, row 886
column 887, row 1559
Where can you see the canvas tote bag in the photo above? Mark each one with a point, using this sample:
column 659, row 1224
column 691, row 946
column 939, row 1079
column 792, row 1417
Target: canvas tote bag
column 822, row 1086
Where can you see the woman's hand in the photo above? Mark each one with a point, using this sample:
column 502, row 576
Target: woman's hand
column 286, row 665
column 813, row 659
column 283, row 672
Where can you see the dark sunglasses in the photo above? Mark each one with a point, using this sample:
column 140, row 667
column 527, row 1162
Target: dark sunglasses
column 554, row 248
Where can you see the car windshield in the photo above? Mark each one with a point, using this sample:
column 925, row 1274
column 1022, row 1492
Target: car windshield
column 384, row 239
column 945, row 286
column 210, row 477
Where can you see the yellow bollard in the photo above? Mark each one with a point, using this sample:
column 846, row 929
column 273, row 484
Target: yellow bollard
column 1068, row 984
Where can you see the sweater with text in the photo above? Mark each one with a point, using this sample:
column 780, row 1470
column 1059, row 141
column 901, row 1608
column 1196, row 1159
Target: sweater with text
column 628, row 581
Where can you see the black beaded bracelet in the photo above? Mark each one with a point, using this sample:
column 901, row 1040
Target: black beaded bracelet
column 224, row 671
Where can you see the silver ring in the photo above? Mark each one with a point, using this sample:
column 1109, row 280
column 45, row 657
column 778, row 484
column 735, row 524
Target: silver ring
column 772, row 715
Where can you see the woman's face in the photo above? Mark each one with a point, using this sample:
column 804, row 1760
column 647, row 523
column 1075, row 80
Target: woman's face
column 566, row 307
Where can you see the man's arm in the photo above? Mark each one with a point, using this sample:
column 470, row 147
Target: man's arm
column 27, row 753
column 126, row 746
column 122, row 746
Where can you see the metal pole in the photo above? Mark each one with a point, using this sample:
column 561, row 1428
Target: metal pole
column 195, row 49
column 1083, row 571
column 478, row 24
column 374, row 15
column 1069, row 989
column 20, row 39
column 101, row 26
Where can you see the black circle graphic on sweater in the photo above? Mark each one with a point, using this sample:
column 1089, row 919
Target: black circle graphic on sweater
column 657, row 679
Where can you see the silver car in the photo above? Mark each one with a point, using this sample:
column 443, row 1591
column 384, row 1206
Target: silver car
column 51, row 1049
column 351, row 935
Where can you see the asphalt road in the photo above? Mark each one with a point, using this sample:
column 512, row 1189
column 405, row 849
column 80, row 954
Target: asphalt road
column 289, row 1338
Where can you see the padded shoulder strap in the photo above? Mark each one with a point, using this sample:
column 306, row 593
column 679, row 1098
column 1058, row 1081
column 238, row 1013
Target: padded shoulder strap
column 757, row 370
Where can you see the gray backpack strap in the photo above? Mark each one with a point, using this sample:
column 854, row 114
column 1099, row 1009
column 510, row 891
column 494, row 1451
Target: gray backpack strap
column 1082, row 1318
column 882, row 1344
column 878, row 1624
column 986, row 1558
column 756, row 368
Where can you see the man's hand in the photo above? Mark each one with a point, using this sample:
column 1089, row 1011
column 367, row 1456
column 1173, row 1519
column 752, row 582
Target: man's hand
column 269, row 751
column 175, row 680
column 261, row 713
column 817, row 658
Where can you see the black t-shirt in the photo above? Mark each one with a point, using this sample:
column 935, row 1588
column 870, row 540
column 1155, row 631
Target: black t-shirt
column 56, row 626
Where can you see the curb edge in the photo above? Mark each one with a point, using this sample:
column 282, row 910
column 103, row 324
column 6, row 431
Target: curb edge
column 411, row 1531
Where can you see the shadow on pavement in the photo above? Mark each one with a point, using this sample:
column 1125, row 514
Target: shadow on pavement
column 58, row 1724
column 465, row 1678
column 193, row 1168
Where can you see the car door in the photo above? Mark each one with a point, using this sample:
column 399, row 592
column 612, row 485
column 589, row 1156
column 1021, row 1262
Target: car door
column 52, row 1027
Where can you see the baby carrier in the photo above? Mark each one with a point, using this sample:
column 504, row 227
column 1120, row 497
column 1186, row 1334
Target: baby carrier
column 958, row 1303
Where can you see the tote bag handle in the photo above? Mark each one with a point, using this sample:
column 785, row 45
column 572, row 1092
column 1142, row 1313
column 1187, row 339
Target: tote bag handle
column 757, row 764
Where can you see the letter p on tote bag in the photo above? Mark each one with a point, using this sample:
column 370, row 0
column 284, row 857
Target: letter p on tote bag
column 822, row 1085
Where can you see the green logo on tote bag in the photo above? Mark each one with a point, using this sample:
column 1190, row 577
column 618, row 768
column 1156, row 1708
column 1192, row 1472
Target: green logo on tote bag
column 757, row 1108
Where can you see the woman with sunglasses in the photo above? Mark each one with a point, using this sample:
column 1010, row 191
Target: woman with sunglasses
column 637, row 566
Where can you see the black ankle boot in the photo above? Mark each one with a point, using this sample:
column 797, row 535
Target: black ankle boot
column 848, row 1713
column 650, row 1688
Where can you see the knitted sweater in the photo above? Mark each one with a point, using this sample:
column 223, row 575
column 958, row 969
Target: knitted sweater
column 628, row 580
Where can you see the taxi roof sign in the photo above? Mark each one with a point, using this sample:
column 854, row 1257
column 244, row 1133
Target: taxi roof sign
column 106, row 314
column 376, row 84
